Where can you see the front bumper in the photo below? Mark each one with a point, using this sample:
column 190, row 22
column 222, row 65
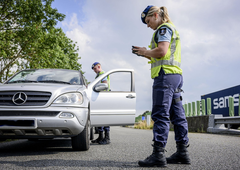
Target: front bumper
column 29, row 123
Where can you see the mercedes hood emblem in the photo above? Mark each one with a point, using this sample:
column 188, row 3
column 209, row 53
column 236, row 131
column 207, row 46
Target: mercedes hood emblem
column 19, row 98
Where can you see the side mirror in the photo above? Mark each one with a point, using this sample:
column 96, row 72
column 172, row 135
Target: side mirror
column 101, row 87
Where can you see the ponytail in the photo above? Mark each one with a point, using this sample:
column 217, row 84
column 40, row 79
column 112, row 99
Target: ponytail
column 164, row 14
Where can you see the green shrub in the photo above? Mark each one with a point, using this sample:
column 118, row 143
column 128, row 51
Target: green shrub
column 138, row 119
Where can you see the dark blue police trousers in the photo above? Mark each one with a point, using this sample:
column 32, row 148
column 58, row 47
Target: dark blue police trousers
column 164, row 109
column 104, row 128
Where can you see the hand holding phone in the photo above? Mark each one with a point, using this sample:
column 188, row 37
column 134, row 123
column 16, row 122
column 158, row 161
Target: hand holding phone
column 134, row 51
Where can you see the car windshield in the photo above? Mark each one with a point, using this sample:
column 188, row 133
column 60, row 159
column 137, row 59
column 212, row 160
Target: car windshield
column 47, row 76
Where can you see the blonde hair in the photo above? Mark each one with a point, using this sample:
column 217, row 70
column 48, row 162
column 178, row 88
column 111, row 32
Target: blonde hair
column 161, row 11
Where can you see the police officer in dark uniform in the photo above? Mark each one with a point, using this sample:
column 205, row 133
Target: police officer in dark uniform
column 96, row 66
column 165, row 60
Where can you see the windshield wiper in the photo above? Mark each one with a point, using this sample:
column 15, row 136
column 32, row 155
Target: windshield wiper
column 53, row 81
column 23, row 81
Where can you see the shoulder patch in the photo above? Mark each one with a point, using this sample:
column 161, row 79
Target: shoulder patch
column 163, row 31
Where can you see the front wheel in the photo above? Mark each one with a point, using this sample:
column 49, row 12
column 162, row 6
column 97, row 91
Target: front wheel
column 81, row 142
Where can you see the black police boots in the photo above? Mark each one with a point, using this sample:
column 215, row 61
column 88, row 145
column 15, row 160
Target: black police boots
column 156, row 159
column 100, row 138
column 106, row 140
column 181, row 156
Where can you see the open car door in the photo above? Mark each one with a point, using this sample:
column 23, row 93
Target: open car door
column 116, row 106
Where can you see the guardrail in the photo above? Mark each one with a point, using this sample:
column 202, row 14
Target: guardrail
column 216, row 124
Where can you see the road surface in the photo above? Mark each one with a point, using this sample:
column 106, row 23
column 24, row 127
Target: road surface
column 128, row 145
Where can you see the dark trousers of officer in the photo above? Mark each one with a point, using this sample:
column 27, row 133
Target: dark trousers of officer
column 164, row 109
column 104, row 128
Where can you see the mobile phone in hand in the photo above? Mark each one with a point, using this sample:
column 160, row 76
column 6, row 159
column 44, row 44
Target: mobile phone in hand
column 134, row 51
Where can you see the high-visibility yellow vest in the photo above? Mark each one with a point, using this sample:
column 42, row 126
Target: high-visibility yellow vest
column 108, row 79
column 172, row 60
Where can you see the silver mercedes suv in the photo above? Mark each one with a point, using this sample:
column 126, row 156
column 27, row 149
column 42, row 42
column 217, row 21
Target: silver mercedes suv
column 52, row 103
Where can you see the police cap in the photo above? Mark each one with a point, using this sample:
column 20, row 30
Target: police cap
column 145, row 12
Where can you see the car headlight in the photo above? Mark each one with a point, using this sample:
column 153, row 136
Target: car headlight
column 69, row 98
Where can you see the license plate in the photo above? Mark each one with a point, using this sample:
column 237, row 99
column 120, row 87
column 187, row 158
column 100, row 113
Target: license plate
column 18, row 123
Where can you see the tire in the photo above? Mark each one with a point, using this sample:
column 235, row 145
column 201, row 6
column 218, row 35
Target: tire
column 81, row 142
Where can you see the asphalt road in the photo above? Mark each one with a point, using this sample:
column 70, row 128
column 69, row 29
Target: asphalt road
column 207, row 151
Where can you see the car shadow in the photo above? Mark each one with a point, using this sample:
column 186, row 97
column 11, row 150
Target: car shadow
column 50, row 147
column 17, row 147
column 38, row 147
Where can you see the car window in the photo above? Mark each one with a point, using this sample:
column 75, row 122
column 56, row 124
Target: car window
column 120, row 82
column 48, row 76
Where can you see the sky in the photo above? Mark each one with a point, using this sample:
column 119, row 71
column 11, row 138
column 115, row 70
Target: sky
column 105, row 31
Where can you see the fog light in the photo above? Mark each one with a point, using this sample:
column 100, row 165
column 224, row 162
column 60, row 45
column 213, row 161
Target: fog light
column 66, row 115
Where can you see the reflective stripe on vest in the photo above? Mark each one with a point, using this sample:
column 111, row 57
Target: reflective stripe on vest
column 172, row 57
column 165, row 62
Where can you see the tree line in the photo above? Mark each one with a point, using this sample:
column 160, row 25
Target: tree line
column 29, row 38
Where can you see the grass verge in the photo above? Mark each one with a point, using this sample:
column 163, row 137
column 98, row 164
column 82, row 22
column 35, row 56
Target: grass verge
column 143, row 125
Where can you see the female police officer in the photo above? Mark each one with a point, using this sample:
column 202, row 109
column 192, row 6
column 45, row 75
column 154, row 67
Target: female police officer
column 165, row 60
